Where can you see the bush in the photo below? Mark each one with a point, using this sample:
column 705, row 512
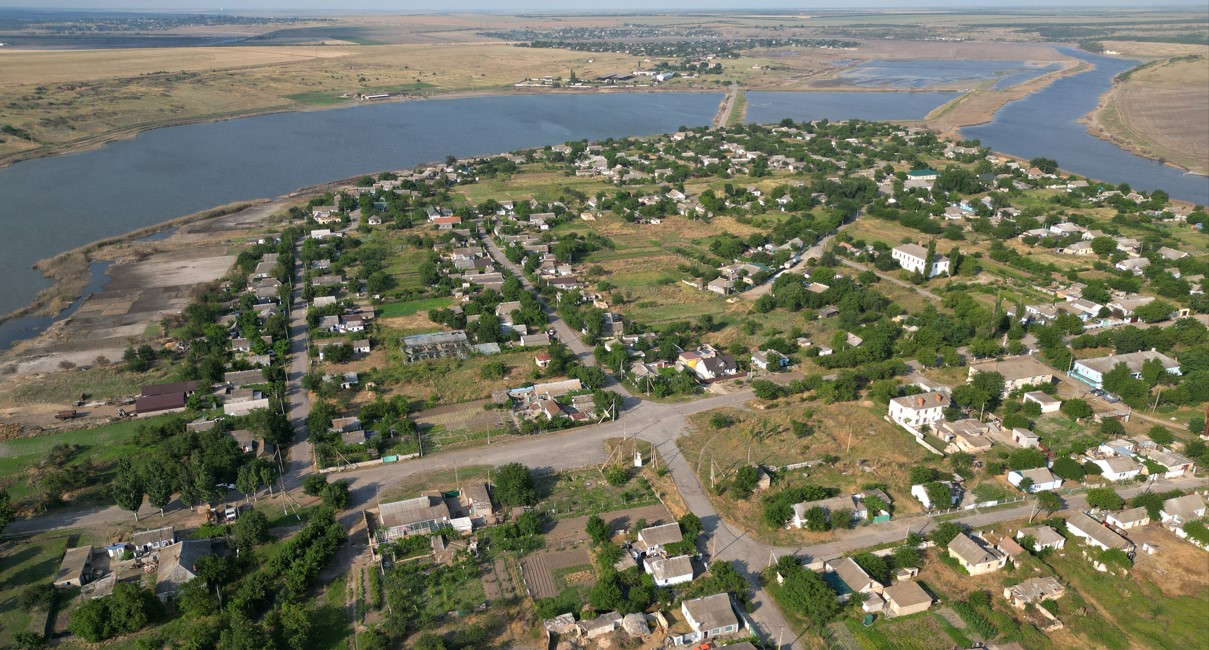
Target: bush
column 617, row 476
column 1076, row 408
column 1161, row 435
column 38, row 597
column 721, row 421
column 313, row 484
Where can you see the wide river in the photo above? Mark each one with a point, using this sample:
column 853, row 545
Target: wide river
column 54, row 204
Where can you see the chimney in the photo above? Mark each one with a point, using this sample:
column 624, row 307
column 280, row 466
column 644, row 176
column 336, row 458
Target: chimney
column 921, row 400
column 939, row 398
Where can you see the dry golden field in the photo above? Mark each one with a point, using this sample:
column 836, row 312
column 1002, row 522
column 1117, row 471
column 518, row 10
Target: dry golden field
column 69, row 100
column 1160, row 111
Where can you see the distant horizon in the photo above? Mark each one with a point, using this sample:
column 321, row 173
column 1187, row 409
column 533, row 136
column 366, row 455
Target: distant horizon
column 615, row 7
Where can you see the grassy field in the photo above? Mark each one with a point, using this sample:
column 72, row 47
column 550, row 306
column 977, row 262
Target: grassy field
column 100, row 383
column 399, row 309
column 854, row 433
column 23, row 564
column 1152, row 112
column 100, row 446
column 81, row 97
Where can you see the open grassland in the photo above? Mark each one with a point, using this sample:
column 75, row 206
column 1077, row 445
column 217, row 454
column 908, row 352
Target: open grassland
column 20, row 458
column 1159, row 111
column 23, row 564
column 870, row 450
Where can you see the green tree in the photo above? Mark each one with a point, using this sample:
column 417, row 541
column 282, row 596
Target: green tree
column 159, row 477
column 26, row 640
column 906, row 556
column 127, row 487
column 1049, row 501
column 251, row 529
column 296, row 625
column 335, row 495
column 691, row 526
column 1068, row 469
column 1161, row 435
column 606, row 595
column 196, row 599
column 874, row 565
column 597, row 529
column 945, row 532
column 1076, row 409
column 1104, row 498
column 7, row 513
column 514, row 485
column 804, row 591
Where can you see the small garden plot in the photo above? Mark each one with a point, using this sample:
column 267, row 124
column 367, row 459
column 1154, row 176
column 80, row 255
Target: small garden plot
column 586, row 492
column 413, row 307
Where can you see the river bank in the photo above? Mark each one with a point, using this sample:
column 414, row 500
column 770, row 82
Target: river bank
column 980, row 106
column 69, row 271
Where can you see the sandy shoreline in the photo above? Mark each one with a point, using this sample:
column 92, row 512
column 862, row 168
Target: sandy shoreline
column 69, row 270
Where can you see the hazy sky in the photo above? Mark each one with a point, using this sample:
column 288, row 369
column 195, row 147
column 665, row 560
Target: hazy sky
column 512, row 6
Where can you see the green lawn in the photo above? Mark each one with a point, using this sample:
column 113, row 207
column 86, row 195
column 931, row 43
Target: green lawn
column 1137, row 606
column 923, row 631
column 22, row 564
column 398, row 309
column 101, row 446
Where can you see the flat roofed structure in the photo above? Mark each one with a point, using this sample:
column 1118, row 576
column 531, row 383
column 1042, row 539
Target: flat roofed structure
column 71, row 569
column 419, row 515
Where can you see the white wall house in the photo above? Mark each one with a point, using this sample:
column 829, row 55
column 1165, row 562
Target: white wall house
column 1118, row 468
column 919, row 410
column 1092, row 371
column 1043, row 479
column 913, row 256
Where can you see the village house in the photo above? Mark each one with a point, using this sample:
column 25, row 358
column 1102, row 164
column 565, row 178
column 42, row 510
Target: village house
column 1048, row 403
column 769, row 359
column 1128, row 518
column 1118, row 468
column 918, row 411
column 1177, row 465
column 76, row 562
column 913, row 257
column 1025, row 438
column 906, row 598
column 178, row 565
column 1041, row 477
column 670, row 571
column 853, row 576
column 974, row 557
column 153, row 540
column 653, row 539
column 921, row 493
column 1017, row 372
column 1096, row 534
column 1043, row 537
column 711, row 616
column 437, row 345
column 1092, row 371
column 852, row 504
column 422, row 515
column 1181, row 510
